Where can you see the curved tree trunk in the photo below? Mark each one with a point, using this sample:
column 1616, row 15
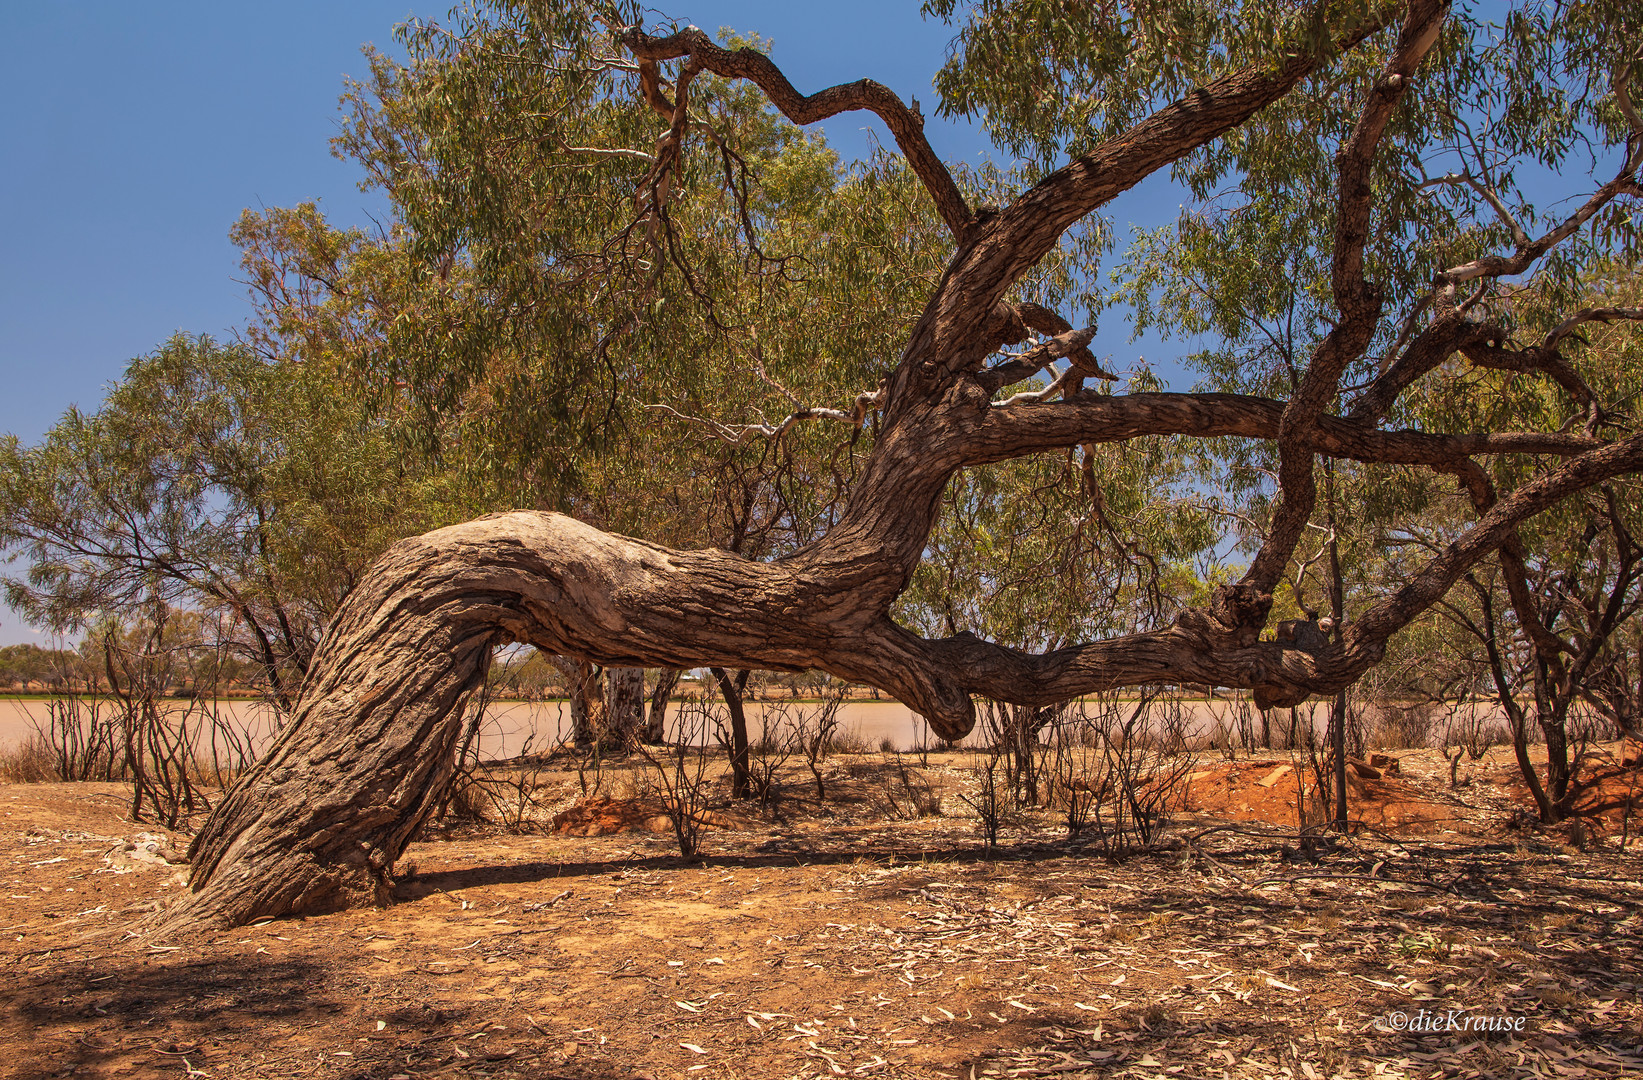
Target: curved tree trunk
column 318, row 823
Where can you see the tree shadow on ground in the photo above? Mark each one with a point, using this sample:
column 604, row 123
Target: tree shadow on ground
column 427, row 883
column 131, row 1013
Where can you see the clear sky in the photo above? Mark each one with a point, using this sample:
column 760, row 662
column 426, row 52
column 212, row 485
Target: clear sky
column 134, row 135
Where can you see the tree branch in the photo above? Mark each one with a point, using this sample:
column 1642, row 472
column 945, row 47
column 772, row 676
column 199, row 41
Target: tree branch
column 1358, row 301
column 1009, row 431
column 1496, row 266
column 737, row 434
column 905, row 125
column 1007, row 244
column 1548, row 362
column 1036, row 359
column 1196, row 649
column 1441, row 339
column 1489, row 534
column 1586, row 315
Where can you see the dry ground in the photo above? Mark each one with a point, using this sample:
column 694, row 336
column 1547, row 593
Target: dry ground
column 834, row 942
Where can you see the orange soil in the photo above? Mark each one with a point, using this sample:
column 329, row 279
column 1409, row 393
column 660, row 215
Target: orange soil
column 1235, row 791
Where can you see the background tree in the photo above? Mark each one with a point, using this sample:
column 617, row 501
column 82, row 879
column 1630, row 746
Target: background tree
column 1553, row 618
column 212, row 481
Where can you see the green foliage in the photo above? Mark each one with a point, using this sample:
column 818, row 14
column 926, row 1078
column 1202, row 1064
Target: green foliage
column 209, row 480
column 28, row 666
column 1519, row 99
column 1055, row 549
column 1051, row 79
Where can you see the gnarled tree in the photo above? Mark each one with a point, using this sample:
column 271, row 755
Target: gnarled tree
column 319, row 822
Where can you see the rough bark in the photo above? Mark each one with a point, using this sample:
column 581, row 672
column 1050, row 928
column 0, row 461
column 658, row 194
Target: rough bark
column 318, row 823
column 585, row 692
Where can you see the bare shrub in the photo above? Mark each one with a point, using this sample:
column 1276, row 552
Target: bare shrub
column 504, row 793
column 1631, row 804
column 82, row 739
column 1253, row 726
column 681, row 771
column 1117, row 768
column 910, row 795
column 1469, row 730
column 1073, row 763
column 1232, row 728
column 847, row 741
column 923, row 738
column 1313, row 763
column 31, row 761
column 464, row 795
column 816, row 734
column 778, row 741
column 168, row 747
column 1394, row 725
column 989, row 802
column 227, row 744
column 140, row 663
column 1014, row 731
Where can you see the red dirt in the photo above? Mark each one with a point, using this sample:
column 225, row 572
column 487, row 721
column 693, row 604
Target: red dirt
column 1609, row 795
column 1606, row 795
column 833, row 940
column 1234, row 791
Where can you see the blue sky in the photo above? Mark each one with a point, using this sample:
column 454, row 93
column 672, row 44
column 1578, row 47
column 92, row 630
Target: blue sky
column 135, row 135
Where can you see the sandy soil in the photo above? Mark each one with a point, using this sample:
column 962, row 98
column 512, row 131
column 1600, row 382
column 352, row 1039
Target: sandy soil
column 828, row 940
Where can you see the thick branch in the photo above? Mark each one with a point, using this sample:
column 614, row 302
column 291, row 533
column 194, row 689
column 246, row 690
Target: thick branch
column 1548, row 362
column 1195, row 650
column 934, row 381
column 1012, row 431
column 1586, row 315
column 320, row 821
column 1480, row 342
column 1358, row 301
column 737, row 434
column 1488, row 535
column 1624, row 183
column 1036, row 359
column 1431, row 347
column 1007, row 244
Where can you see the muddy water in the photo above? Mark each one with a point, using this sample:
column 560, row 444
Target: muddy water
column 514, row 727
